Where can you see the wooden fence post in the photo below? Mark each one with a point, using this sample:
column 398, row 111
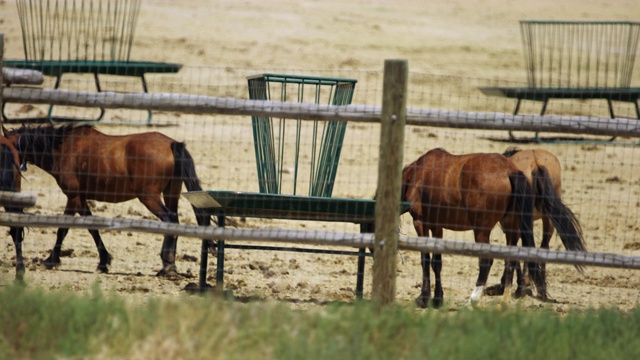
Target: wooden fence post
column 1, row 79
column 394, row 112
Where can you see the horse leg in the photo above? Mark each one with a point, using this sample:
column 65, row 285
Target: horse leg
column 547, row 233
column 436, row 265
column 524, row 285
column 484, row 268
column 425, row 291
column 169, row 244
column 168, row 253
column 425, row 260
column 105, row 257
column 77, row 205
column 17, row 234
column 54, row 257
column 73, row 204
column 509, row 266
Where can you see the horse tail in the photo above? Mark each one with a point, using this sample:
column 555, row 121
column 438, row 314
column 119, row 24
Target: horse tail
column 185, row 169
column 522, row 204
column 562, row 218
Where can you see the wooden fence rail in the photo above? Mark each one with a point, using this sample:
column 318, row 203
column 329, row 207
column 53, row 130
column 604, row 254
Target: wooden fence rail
column 8, row 198
column 327, row 238
column 200, row 104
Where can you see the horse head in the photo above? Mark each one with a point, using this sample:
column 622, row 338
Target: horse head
column 20, row 142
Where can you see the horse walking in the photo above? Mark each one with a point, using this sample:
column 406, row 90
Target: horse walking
column 469, row 192
column 90, row 165
column 10, row 180
column 543, row 172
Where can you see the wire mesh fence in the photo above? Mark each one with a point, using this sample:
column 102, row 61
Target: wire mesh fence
column 599, row 184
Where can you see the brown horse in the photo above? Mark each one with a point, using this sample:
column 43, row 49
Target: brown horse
column 90, row 165
column 543, row 171
column 10, row 180
column 469, row 192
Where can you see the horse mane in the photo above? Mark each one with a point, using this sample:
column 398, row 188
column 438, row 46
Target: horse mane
column 45, row 139
column 50, row 137
column 512, row 150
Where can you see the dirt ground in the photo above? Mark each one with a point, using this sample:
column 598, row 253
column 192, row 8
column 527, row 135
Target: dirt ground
column 451, row 46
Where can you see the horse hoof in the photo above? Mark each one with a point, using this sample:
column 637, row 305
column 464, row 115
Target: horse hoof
column 495, row 290
column 103, row 269
column 50, row 264
column 19, row 278
column 169, row 271
column 521, row 293
column 422, row 302
column 547, row 299
column 437, row 303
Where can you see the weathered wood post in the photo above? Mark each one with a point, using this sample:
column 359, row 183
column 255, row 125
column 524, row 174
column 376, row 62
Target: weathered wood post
column 393, row 118
column 1, row 79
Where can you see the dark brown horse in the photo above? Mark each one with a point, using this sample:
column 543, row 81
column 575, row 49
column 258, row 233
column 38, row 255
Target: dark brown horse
column 90, row 165
column 469, row 192
column 10, row 180
column 543, row 171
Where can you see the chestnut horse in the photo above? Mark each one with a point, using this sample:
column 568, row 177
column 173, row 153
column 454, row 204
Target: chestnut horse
column 469, row 192
column 543, row 171
column 10, row 180
column 90, row 165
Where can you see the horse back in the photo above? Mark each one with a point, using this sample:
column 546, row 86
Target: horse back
column 114, row 168
column 465, row 185
column 529, row 160
column 118, row 153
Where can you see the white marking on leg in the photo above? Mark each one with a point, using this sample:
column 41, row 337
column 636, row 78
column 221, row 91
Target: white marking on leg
column 476, row 295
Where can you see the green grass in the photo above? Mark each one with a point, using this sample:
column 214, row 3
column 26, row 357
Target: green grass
column 39, row 324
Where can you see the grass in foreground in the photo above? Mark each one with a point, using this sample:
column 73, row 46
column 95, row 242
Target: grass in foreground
column 38, row 324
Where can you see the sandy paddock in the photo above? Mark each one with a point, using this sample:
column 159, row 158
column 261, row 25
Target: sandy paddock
column 451, row 46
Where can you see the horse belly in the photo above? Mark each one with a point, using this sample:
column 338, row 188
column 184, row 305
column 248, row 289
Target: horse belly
column 455, row 219
column 112, row 189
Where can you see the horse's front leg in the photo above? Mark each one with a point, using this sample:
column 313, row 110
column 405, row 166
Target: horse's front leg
column 425, row 260
column 54, row 257
column 436, row 265
column 425, row 291
column 17, row 234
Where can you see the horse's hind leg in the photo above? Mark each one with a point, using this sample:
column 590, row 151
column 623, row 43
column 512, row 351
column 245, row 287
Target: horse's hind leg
column 105, row 257
column 547, row 233
column 168, row 255
column 509, row 267
column 54, row 257
column 485, row 267
column 169, row 244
